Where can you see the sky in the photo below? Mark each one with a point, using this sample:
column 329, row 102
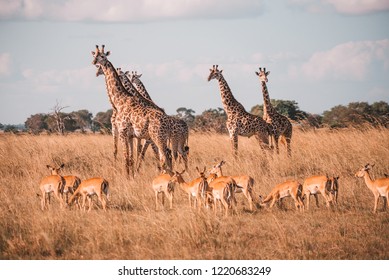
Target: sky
column 320, row 53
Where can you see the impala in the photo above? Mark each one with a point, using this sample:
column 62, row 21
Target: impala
column 51, row 184
column 326, row 186
column 195, row 189
column 290, row 188
column 93, row 186
column 162, row 185
column 223, row 191
column 71, row 181
column 245, row 183
column 379, row 187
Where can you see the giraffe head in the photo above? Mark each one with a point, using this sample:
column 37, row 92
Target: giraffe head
column 120, row 72
column 134, row 77
column 262, row 74
column 100, row 56
column 215, row 73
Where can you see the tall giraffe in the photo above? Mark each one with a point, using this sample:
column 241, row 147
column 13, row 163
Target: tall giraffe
column 279, row 124
column 239, row 122
column 114, row 124
column 134, row 116
column 180, row 130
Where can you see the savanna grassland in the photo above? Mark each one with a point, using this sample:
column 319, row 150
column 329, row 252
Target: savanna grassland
column 132, row 229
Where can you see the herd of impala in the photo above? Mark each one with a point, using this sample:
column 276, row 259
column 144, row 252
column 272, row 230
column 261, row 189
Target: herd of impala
column 211, row 191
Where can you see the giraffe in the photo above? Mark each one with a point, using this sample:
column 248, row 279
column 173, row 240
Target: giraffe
column 114, row 119
column 279, row 124
column 180, row 130
column 135, row 117
column 239, row 121
column 115, row 132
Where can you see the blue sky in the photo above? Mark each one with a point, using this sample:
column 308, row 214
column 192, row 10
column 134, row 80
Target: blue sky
column 320, row 53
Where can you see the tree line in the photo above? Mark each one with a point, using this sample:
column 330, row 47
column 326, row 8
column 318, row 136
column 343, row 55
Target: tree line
column 213, row 120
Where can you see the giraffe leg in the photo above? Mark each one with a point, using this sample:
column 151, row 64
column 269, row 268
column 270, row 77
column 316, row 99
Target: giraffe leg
column 234, row 143
column 141, row 157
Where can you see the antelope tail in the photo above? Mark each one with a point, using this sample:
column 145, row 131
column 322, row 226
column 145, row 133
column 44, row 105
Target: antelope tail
column 104, row 188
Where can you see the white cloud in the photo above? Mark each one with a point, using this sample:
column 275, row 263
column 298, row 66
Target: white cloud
column 53, row 81
column 348, row 61
column 5, row 64
column 348, row 7
column 358, row 7
column 127, row 10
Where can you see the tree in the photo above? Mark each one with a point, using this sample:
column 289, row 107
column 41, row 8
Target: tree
column 102, row 121
column 36, row 123
column 288, row 108
column 83, row 119
column 211, row 120
column 356, row 114
column 59, row 118
column 187, row 115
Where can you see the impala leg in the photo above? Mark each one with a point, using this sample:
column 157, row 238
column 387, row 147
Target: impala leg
column 171, row 200
column 43, row 201
column 308, row 197
column 83, row 201
column 376, row 197
column 156, row 201
column 89, row 202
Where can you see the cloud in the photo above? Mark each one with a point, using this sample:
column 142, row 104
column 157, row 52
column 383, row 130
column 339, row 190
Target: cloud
column 53, row 81
column 126, row 10
column 359, row 7
column 348, row 61
column 5, row 64
column 347, row 7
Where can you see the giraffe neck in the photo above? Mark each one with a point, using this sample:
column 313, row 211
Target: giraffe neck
column 268, row 109
column 116, row 92
column 229, row 102
column 129, row 86
column 142, row 89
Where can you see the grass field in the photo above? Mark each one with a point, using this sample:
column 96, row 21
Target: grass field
column 132, row 229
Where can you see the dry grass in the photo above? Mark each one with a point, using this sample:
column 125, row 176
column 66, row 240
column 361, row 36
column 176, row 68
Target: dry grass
column 132, row 229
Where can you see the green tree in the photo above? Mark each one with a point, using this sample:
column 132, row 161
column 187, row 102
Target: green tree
column 83, row 119
column 102, row 121
column 288, row 108
column 212, row 120
column 36, row 123
column 187, row 115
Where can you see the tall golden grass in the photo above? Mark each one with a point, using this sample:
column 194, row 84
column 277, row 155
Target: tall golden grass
column 132, row 229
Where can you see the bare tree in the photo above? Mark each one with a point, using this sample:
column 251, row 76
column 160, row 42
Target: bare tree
column 59, row 117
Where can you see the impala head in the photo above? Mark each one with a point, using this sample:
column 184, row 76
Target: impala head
column 100, row 56
column 177, row 177
column 55, row 170
column 134, row 77
column 217, row 167
column 215, row 73
column 201, row 173
column 262, row 74
column 361, row 172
